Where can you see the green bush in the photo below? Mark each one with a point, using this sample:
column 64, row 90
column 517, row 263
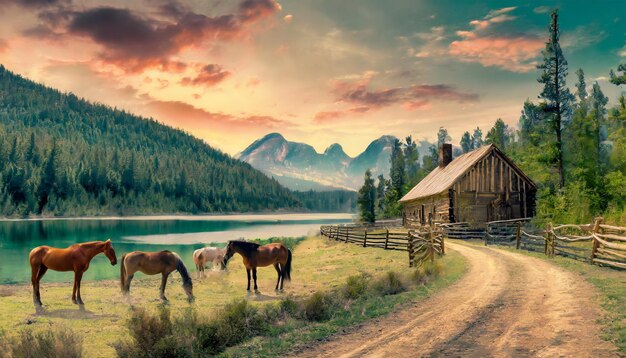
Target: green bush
column 356, row 286
column 389, row 284
column 48, row 343
column 318, row 306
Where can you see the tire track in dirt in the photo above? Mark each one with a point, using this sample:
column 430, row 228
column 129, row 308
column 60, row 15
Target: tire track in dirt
column 507, row 304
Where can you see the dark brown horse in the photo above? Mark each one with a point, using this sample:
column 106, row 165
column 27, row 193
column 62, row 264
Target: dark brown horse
column 152, row 263
column 255, row 255
column 74, row 258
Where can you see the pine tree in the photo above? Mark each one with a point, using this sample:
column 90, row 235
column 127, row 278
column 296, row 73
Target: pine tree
column 499, row 135
column 466, row 142
column 581, row 86
column 442, row 137
column 555, row 93
column 411, row 158
column 380, row 194
column 367, row 199
column 48, row 178
column 397, row 172
column 477, row 138
column 619, row 79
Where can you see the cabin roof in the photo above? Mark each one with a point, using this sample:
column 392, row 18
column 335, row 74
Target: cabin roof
column 440, row 179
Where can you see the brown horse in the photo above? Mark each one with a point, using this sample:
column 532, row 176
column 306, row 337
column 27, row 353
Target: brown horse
column 74, row 258
column 152, row 263
column 255, row 255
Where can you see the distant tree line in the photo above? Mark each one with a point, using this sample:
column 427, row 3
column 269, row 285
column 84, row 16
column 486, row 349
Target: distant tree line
column 61, row 155
column 570, row 144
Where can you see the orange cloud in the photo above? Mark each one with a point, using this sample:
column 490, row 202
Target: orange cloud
column 515, row 54
column 494, row 48
column 209, row 75
column 184, row 115
column 359, row 93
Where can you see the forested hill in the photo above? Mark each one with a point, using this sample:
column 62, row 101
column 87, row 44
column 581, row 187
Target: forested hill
column 62, row 155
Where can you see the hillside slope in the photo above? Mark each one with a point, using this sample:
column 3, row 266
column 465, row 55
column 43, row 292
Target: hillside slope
column 62, row 155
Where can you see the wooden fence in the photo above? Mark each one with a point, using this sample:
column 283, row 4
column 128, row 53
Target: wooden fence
column 598, row 243
column 420, row 243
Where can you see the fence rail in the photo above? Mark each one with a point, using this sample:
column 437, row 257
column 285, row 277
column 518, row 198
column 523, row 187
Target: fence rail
column 597, row 243
column 421, row 243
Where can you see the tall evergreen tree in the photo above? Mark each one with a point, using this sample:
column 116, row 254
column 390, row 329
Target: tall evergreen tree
column 380, row 194
column 619, row 79
column 442, row 137
column 555, row 93
column 397, row 172
column 411, row 158
column 466, row 142
column 581, row 86
column 477, row 138
column 499, row 135
column 367, row 199
column 48, row 178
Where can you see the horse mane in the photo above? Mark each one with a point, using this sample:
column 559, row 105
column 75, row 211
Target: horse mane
column 246, row 246
column 182, row 269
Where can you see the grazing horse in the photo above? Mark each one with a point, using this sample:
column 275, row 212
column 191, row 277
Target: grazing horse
column 74, row 258
column 255, row 255
column 152, row 263
column 208, row 254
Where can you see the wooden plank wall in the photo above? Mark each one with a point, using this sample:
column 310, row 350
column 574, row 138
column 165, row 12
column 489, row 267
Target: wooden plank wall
column 471, row 197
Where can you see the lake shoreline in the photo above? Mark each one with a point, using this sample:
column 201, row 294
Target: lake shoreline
column 276, row 216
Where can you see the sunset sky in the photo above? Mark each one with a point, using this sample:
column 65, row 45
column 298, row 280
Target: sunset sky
column 317, row 71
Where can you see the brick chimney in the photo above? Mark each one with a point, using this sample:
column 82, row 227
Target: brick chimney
column 445, row 155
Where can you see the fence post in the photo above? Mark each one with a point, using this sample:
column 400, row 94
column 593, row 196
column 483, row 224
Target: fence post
column 443, row 248
column 546, row 238
column 410, row 249
column 432, row 244
column 595, row 229
column 518, row 235
column 387, row 239
column 365, row 239
column 346, row 234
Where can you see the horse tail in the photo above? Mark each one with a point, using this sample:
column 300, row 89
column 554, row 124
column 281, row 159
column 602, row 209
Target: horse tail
column 123, row 273
column 287, row 271
column 182, row 269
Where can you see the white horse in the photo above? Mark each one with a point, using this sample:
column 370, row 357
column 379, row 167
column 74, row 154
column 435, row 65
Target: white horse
column 214, row 255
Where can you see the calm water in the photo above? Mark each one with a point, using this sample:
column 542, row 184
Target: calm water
column 180, row 234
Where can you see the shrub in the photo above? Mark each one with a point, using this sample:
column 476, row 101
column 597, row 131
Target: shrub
column 288, row 306
column 318, row 306
column 48, row 343
column 432, row 269
column 390, row 284
column 356, row 286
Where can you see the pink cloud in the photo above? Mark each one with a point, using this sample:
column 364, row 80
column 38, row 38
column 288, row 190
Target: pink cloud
column 184, row 115
column 360, row 93
column 515, row 54
column 209, row 75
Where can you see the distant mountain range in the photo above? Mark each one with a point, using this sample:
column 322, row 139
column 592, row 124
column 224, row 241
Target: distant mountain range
column 299, row 166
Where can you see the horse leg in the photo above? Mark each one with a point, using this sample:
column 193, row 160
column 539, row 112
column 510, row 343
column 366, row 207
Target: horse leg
column 74, row 289
column 127, row 283
column 248, row 272
column 37, row 274
column 163, row 283
column 78, row 276
column 277, row 267
column 256, row 289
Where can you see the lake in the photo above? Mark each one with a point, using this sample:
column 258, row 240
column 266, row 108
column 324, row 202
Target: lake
column 181, row 234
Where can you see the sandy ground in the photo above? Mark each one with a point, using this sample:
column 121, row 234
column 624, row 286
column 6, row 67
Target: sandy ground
column 507, row 305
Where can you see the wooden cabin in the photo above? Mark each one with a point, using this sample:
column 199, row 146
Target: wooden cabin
column 479, row 186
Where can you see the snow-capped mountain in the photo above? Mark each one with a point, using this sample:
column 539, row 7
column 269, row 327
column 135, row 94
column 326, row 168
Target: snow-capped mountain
column 299, row 166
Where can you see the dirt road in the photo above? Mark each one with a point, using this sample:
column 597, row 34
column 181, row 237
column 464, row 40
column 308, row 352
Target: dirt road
column 507, row 304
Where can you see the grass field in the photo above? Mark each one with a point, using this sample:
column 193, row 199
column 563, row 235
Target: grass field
column 611, row 286
column 318, row 265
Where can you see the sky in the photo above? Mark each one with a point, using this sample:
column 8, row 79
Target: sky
column 317, row 71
